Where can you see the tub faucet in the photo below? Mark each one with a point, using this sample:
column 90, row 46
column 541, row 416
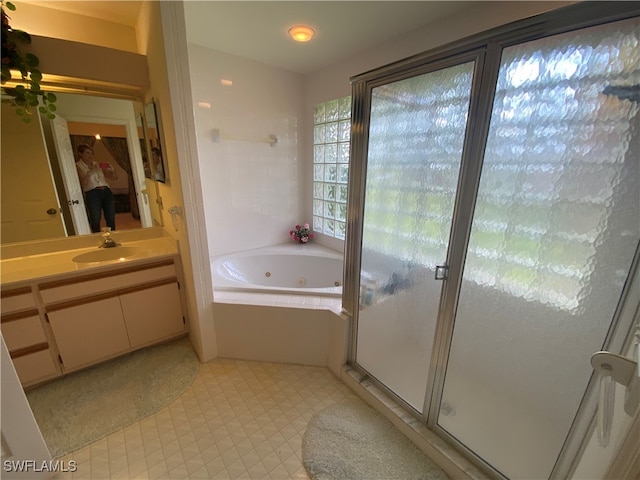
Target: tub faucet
column 107, row 241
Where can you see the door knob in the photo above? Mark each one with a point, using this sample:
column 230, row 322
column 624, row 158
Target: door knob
column 52, row 211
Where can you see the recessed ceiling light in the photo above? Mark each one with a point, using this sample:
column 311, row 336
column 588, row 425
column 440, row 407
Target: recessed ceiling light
column 301, row 33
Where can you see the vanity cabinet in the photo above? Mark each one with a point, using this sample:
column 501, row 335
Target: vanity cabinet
column 26, row 338
column 100, row 316
column 62, row 325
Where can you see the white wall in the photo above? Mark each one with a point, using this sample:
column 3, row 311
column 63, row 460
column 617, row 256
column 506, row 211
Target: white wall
column 253, row 192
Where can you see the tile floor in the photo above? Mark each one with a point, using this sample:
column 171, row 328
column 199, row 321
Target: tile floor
column 238, row 420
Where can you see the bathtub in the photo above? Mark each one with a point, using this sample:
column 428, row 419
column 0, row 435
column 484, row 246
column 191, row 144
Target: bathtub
column 298, row 269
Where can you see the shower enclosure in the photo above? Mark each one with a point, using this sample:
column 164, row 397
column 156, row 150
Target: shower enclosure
column 494, row 228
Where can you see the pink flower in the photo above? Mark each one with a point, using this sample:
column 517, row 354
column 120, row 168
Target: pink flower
column 290, row 232
column 306, row 225
column 305, row 239
column 297, row 227
column 311, row 235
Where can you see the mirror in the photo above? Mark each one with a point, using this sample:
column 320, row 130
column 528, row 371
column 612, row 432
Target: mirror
column 41, row 196
column 158, row 168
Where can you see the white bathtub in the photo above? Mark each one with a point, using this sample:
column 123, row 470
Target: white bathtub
column 304, row 269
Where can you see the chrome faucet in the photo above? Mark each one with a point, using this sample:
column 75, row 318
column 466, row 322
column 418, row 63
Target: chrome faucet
column 107, row 241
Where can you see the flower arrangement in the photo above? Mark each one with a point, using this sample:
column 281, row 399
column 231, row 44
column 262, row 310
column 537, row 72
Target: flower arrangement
column 301, row 233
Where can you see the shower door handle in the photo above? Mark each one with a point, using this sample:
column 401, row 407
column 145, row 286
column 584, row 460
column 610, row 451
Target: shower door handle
column 442, row 272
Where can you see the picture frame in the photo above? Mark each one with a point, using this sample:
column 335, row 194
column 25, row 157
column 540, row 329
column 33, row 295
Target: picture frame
column 157, row 163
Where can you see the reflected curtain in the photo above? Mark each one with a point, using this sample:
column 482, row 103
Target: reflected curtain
column 119, row 150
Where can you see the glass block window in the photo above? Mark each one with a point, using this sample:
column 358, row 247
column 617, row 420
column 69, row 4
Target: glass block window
column 331, row 137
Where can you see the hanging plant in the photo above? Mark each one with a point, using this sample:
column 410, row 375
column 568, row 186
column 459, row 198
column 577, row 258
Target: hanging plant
column 27, row 96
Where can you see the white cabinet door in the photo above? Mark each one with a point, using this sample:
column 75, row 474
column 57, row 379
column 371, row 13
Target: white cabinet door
column 152, row 314
column 89, row 332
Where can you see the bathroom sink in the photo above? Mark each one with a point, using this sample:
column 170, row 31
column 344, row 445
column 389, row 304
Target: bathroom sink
column 105, row 255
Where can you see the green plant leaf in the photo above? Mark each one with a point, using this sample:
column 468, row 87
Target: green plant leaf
column 22, row 36
column 6, row 74
column 51, row 97
column 52, row 107
column 31, row 60
column 26, row 95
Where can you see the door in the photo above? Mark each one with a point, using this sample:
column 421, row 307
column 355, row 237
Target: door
column 152, row 314
column 30, row 209
column 21, row 438
column 534, row 238
column 417, row 128
column 554, row 233
column 72, row 185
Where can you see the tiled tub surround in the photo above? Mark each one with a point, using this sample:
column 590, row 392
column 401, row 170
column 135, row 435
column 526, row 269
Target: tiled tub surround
column 280, row 323
column 281, row 334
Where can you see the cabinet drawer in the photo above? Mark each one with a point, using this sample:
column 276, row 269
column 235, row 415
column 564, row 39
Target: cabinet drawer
column 35, row 367
column 23, row 332
column 86, row 286
column 17, row 300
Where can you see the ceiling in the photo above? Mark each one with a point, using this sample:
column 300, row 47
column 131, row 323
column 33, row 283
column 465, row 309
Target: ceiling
column 258, row 29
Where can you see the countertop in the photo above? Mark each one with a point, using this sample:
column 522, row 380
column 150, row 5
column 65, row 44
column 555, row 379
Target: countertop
column 47, row 266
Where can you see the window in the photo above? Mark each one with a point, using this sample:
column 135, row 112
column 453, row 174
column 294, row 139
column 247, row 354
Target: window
column 331, row 137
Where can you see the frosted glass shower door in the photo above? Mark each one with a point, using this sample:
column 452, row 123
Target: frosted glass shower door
column 416, row 135
column 555, row 229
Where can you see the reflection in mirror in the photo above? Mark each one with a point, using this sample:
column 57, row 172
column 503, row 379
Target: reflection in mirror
column 41, row 195
column 158, row 167
column 140, row 123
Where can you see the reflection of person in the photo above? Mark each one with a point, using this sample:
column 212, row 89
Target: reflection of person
column 98, row 196
column 156, row 160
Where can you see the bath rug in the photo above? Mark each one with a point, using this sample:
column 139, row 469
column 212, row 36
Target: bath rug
column 85, row 406
column 353, row 441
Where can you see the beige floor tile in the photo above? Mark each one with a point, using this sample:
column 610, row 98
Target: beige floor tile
column 237, row 420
